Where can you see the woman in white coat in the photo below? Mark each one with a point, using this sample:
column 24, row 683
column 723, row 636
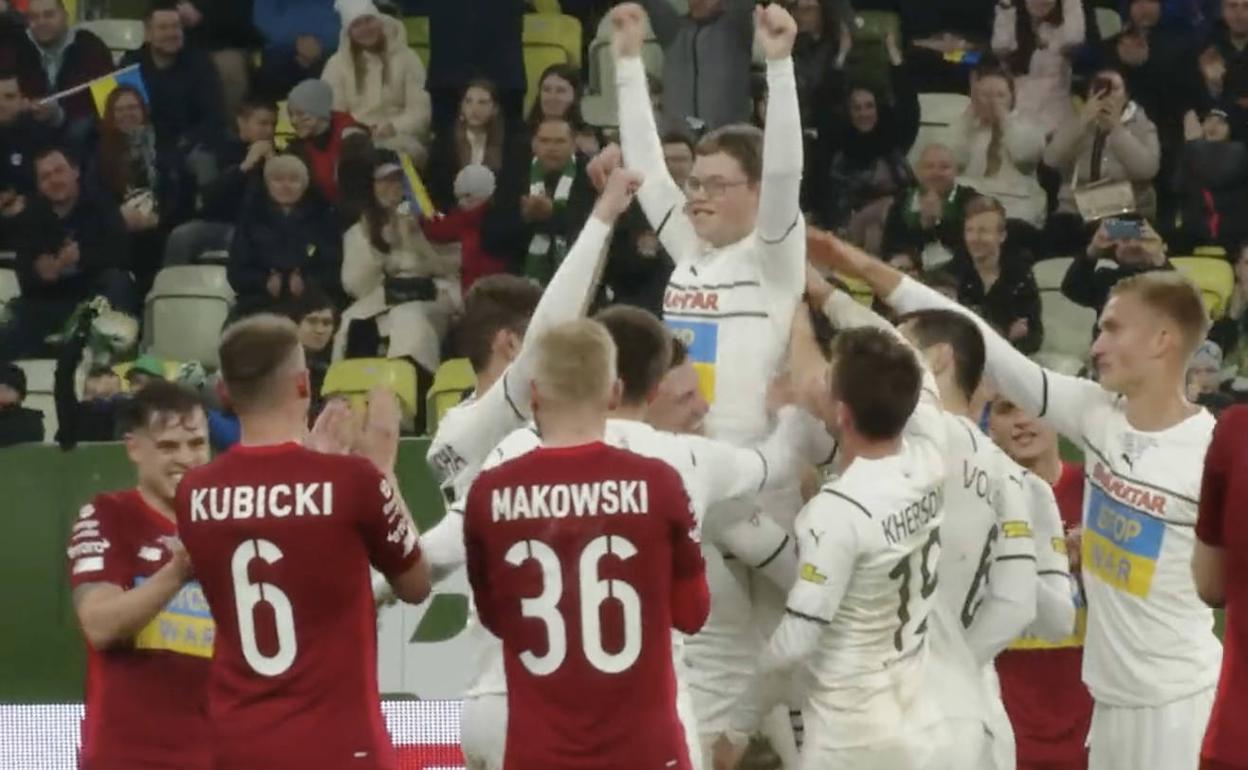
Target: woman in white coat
column 379, row 80
column 395, row 276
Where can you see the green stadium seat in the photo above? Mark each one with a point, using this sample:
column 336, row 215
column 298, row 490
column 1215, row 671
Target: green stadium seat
column 184, row 313
column 1067, row 326
column 1109, row 22
column 417, row 28
column 599, row 106
column 9, row 287
column 555, row 30
column 353, row 378
column 452, row 380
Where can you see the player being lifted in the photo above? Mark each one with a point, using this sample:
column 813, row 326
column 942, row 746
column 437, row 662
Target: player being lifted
column 1151, row 658
column 282, row 537
column 582, row 557
column 149, row 639
column 869, row 545
column 735, row 234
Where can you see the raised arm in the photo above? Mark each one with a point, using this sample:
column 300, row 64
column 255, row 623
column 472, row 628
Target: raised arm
column 661, row 198
column 1061, row 400
column 779, row 225
column 1055, row 588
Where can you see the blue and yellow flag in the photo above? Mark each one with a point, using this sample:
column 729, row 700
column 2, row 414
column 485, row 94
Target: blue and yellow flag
column 422, row 204
column 102, row 87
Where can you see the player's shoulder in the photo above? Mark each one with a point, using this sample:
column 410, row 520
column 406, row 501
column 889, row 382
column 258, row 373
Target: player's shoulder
column 840, row 503
column 520, row 441
column 109, row 506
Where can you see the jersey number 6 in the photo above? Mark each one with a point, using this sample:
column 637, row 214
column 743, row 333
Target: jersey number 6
column 247, row 595
column 594, row 591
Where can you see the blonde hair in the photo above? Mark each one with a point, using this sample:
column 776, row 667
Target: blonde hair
column 253, row 352
column 286, row 163
column 1174, row 296
column 575, row 363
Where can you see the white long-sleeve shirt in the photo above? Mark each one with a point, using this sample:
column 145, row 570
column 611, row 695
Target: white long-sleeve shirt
column 1150, row 638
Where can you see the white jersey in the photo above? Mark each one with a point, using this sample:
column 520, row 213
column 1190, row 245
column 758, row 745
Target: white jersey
column 1150, row 638
column 1056, row 592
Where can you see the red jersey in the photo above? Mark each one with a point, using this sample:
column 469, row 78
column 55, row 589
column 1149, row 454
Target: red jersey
column 281, row 538
column 581, row 560
column 1221, row 524
column 145, row 702
column 1042, row 682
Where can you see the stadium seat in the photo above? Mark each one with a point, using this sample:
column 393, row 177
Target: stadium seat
column 9, row 287
column 453, row 379
column 120, row 35
column 1213, row 276
column 599, row 107
column 185, row 310
column 937, row 112
column 40, row 393
column 536, row 59
column 868, row 59
column 547, row 6
column 554, row 29
column 1109, row 22
column 417, row 28
column 1067, row 326
column 353, row 378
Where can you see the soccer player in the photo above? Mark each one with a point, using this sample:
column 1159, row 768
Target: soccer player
column 1151, row 659
column 148, row 633
column 1220, row 569
column 281, row 538
column 582, row 557
column 869, row 545
column 1047, row 702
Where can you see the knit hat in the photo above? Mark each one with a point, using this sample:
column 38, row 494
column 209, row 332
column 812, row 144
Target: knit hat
column 350, row 10
column 13, row 376
column 312, row 96
column 386, row 163
column 474, row 180
column 1207, row 356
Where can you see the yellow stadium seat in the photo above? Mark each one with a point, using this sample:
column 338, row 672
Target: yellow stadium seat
column 554, row 29
column 354, row 377
column 452, row 381
column 547, row 6
column 284, row 131
column 1213, row 276
column 536, row 59
column 170, row 369
column 417, row 28
column 1108, row 22
column 120, row 35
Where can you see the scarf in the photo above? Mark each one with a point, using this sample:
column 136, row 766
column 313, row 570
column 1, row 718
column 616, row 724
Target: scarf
column 546, row 251
column 910, row 208
column 141, row 149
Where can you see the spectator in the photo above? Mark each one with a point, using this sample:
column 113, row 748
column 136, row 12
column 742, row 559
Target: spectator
column 356, row 162
column 317, row 318
column 819, row 53
column 473, row 39
column 395, row 276
column 541, row 204
column 867, row 151
column 998, row 149
column 1204, row 377
column 1212, row 183
column 1231, row 40
column 706, row 61
column 1231, row 331
column 942, row 34
column 225, row 30
column 558, row 96
column 378, row 80
column 478, row 137
column 18, row 424
column 299, row 36
column 1114, row 132
column 144, row 176
column 52, row 56
column 72, row 246
column 926, row 219
column 474, row 192
column 22, row 137
column 996, row 281
column 1037, row 45
column 285, row 240
column 183, row 88
column 318, row 134
column 223, row 171
column 1088, row 284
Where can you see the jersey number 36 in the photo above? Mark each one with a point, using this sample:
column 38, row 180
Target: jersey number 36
column 593, row 591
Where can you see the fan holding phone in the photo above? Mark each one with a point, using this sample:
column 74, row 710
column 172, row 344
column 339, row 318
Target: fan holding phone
column 1131, row 243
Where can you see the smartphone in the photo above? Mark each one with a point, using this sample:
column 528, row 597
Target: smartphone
column 1101, row 85
column 1124, row 229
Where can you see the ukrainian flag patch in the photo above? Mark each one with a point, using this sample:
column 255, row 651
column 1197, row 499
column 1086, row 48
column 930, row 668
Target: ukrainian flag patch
column 1120, row 544
column 184, row 625
column 701, row 338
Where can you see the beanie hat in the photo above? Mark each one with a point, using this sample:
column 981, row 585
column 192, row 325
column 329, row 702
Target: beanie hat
column 350, row 10
column 474, row 180
column 13, row 376
column 312, row 96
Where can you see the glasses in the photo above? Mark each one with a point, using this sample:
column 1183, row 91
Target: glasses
column 714, row 187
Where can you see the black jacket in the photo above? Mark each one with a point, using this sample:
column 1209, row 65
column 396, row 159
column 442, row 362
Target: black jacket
column 86, row 59
column 476, row 39
column 1212, row 183
column 19, row 425
column 904, row 233
column 94, row 223
column 215, row 170
column 185, row 99
column 20, row 140
column 1086, row 284
column 1013, row 296
column 267, row 240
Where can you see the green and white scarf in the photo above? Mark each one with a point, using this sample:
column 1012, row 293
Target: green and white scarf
column 545, row 251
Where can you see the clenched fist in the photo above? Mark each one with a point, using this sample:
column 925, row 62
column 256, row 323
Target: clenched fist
column 775, row 30
column 628, row 29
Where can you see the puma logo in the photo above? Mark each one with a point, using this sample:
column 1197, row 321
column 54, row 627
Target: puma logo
column 816, row 535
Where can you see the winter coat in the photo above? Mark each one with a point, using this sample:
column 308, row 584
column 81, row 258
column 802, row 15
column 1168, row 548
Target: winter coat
column 320, row 154
column 1132, row 153
column 267, row 240
column 1014, row 183
column 465, row 227
column 1043, row 89
column 185, row 99
column 1212, row 182
column 84, row 59
column 1013, row 296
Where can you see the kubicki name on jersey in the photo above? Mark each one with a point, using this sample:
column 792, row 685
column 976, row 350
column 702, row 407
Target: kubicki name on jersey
column 558, row 501
column 314, row 498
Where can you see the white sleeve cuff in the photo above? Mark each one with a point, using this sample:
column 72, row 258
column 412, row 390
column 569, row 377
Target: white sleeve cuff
column 629, row 68
column 778, row 67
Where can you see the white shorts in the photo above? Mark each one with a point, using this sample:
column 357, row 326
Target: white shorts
column 970, row 746
column 483, row 732
column 1149, row 738
column 915, row 750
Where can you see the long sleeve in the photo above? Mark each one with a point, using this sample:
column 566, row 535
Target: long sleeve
column 1080, row 284
column 764, row 546
column 474, row 562
column 1055, row 590
column 905, row 109
column 1005, row 30
column 1137, row 150
column 361, row 269
column 661, row 198
column 690, row 597
column 1026, row 300
column 1024, row 142
column 1073, row 31
column 335, row 74
column 414, row 119
column 664, row 20
column 443, row 546
column 1063, row 150
column 780, row 229
column 1061, row 400
column 244, row 270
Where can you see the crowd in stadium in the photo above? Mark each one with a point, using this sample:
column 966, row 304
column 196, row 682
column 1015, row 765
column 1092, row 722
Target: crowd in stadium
column 373, row 170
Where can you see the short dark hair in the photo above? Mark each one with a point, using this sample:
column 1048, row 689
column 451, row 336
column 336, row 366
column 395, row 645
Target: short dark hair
column 51, row 150
column 252, row 352
column 677, row 137
column 877, row 377
column 564, row 119
column 9, row 73
column 680, row 353
column 155, row 6
column 743, row 143
column 159, row 398
column 934, row 327
column 313, row 299
column 494, row 303
column 254, row 104
column 643, row 348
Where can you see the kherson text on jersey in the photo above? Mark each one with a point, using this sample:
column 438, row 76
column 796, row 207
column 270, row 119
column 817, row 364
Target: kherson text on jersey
column 904, row 523
column 558, row 501
column 315, row 498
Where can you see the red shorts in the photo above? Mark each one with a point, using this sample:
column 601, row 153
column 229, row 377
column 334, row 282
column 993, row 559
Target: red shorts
column 1081, row 764
column 1213, row 764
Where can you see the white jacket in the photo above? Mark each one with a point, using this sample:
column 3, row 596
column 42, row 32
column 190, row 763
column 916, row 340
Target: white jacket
column 1015, row 184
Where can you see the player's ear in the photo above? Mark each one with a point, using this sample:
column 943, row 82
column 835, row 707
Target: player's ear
column 223, row 395
column 303, row 384
column 617, row 393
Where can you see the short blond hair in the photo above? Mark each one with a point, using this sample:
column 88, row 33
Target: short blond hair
column 286, row 164
column 575, row 363
column 1170, row 293
column 253, row 352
